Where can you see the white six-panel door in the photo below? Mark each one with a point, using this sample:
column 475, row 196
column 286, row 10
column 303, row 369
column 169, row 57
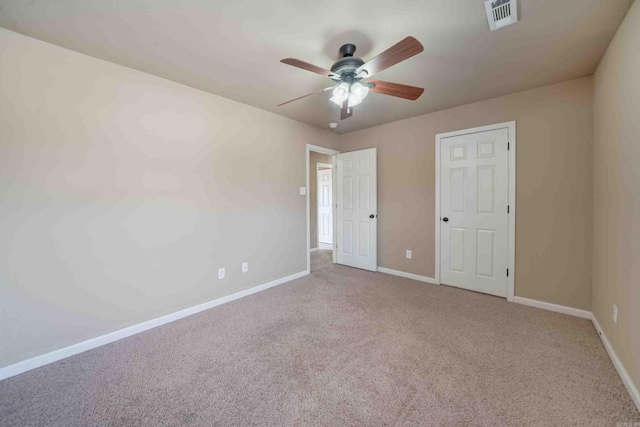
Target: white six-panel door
column 474, row 197
column 357, row 209
column 325, row 207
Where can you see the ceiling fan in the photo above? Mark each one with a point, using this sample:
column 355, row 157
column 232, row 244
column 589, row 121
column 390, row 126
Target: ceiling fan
column 350, row 72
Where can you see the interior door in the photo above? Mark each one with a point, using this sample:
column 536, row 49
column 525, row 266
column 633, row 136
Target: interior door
column 325, row 209
column 357, row 209
column 474, row 185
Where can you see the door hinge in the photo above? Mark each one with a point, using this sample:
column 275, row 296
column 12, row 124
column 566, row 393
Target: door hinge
column 507, row 208
column 508, row 146
column 507, row 272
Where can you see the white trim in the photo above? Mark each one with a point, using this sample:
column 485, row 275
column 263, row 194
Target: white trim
column 54, row 356
column 408, row 275
column 333, row 153
column 511, row 286
column 615, row 360
column 511, row 128
column 334, row 195
column 313, row 250
column 436, row 273
column 553, row 307
column 624, row 375
column 322, row 150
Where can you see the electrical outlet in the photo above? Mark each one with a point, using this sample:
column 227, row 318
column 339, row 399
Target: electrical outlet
column 409, row 254
column 615, row 314
column 221, row 273
column 245, row 267
column 303, row 191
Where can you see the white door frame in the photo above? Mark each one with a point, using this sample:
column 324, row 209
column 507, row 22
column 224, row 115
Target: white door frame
column 329, row 166
column 511, row 126
column 333, row 153
column 323, row 165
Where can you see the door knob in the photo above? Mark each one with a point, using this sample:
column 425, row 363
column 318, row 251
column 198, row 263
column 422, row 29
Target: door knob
column 445, row 219
column 372, row 216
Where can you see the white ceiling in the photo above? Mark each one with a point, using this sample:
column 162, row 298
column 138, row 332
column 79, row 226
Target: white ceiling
column 233, row 48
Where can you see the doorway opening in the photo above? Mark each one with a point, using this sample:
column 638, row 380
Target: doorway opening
column 324, row 204
column 320, row 200
column 354, row 206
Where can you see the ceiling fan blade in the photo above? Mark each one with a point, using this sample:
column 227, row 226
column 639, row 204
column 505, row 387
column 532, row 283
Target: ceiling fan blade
column 345, row 111
column 396, row 89
column 405, row 49
column 309, row 94
column 306, row 66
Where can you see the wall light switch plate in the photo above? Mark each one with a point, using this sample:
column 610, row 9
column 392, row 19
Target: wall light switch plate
column 615, row 313
column 303, row 191
column 221, row 273
column 245, row 267
column 409, row 254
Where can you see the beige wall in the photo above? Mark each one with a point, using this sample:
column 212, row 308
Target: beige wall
column 554, row 187
column 122, row 193
column 616, row 255
column 314, row 159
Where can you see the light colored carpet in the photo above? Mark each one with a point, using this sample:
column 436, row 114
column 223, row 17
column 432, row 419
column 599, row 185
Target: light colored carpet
column 339, row 347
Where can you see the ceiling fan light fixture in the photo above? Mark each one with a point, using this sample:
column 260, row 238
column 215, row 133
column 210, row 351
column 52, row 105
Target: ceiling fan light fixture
column 340, row 93
column 360, row 90
column 354, row 100
column 358, row 93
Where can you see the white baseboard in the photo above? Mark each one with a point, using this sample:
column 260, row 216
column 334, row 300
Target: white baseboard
column 408, row 275
column 313, row 249
column 54, row 356
column 553, row 307
column 622, row 372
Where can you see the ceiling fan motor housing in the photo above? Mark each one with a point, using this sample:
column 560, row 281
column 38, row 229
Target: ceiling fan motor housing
column 349, row 63
column 346, row 65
